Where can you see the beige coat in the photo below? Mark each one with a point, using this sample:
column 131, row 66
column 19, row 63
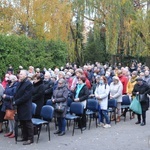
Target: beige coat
column 116, row 91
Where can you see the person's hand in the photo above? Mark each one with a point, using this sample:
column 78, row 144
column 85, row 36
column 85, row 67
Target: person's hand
column 111, row 97
column 98, row 97
column 91, row 95
column 4, row 95
column 53, row 100
column 76, row 99
column 13, row 103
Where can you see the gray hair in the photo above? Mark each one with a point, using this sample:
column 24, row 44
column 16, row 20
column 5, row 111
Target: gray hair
column 97, row 77
column 25, row 72
column 13, row 78
column 63, row 81
column 61, row 73
column 48, row 74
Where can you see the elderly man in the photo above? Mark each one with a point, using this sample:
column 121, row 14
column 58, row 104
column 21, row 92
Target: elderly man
column 147, row 77
column 23, row 101
column 48, row 85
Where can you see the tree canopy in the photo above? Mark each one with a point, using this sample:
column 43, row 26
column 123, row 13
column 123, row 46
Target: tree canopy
column 90, row 29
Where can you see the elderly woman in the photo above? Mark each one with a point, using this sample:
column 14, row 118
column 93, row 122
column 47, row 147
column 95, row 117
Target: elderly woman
column 81, row 94
column 130, row 86
column 142, row 88
column 60, row 96
column 131, row 83
column 1, row 113
column 116, row 88
column 38, row 93
column 79, row 72
column 7, row 102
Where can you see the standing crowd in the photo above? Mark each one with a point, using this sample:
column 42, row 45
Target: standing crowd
column 102, row 82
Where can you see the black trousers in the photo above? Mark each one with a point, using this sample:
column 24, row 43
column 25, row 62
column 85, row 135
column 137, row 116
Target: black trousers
column 143, row 117
column 27, row 129
column 83, row 120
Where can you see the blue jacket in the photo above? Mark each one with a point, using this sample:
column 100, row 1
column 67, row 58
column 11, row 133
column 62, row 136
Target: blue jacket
column 7, row 101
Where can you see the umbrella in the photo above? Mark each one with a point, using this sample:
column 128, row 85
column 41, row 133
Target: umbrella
column 16, row 127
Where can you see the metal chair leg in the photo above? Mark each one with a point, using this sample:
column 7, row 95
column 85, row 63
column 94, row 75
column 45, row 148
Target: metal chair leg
column 73, row 128
column 39, row 131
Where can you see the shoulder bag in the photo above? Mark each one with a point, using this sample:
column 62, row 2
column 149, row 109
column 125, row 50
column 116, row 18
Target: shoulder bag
column 143, row 97
column 135, row 105
column 9, row 114
column 59, row 108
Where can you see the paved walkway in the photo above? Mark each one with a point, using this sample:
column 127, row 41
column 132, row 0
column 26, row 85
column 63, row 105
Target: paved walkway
column 122, row 136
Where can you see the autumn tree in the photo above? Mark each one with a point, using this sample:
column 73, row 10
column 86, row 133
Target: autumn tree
column 41, row 19
column 119, row 28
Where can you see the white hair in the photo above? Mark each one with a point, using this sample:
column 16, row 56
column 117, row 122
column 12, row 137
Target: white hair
column 48, row 73
column 24, row 72
column 13, row 78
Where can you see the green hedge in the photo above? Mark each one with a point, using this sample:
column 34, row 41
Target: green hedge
column 20, row 50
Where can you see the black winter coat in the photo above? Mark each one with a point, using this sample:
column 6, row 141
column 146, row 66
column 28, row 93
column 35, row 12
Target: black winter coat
column 83, row 94
column 48, row 85
column 23, row 100
column 38, row 96
column 142, row 89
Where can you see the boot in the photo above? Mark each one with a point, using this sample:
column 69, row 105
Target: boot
column 118, row 119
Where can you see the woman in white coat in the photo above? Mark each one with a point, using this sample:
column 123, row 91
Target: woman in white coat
column 116, row 88
column 101, row 94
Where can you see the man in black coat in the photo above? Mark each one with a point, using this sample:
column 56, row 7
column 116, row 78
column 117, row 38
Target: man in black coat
column 23, row 101
column 140, row 88
column 48, row 85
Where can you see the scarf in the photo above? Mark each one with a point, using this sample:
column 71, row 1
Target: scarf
column 79, row 87
column 133, row 79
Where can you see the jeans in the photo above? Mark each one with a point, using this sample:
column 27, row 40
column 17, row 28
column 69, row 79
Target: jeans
column 11, row 124
column 61, row 124
column 103, row 114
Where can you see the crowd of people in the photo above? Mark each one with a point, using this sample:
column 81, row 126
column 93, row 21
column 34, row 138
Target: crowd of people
column 102, row 82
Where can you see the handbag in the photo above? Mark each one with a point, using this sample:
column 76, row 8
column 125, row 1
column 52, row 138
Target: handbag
column 135, row 105
column 59, row 108
column 143, row 97
column 9, row 114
